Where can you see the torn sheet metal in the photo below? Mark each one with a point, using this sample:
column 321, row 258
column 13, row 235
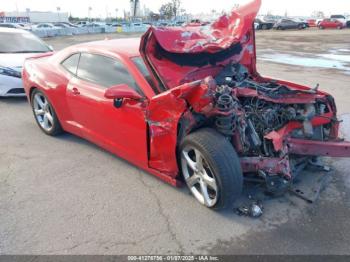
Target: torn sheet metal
column 164, row 115
column 173, row 54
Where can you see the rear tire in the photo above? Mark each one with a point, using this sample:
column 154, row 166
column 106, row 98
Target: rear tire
column 44, row 114
column 211, row 168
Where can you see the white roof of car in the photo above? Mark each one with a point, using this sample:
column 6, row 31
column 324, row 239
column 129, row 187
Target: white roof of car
column 11, row 30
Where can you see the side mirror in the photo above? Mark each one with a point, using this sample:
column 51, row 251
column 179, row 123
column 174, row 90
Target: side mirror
column 122, row 91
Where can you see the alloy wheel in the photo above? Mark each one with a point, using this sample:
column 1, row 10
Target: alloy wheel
column 43, row 112
column 199, row 176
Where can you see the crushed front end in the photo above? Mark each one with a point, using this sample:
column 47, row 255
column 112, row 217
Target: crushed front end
column 207, row 77
column 277, row 128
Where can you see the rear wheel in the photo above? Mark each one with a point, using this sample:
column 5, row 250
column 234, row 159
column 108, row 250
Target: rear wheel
column 211, row 169
column 45, row 114
column 339, row 27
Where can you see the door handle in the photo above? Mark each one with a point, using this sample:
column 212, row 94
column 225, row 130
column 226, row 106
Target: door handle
column 75, row 91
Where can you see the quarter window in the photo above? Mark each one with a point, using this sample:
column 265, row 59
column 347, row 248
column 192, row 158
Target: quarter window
column 71, row 63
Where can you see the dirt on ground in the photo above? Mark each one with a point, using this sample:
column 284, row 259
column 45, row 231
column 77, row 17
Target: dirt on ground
column 313, row 40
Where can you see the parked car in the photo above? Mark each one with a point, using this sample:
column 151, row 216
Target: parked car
column 256, row 26
column 15, row 46
column 70, row 24
column 348, row 21
column 43, row 26
column 136, row 24
column 262, row 25
column 162, row 24
column 331, row 23
column 284, row 24
column 312, row 22
column 82, row 23
column 116, row 25
column 10, row 25
column 64, row 25
column 25, row 26
column 340, row 18
column 302, row 21
column 91, row 25
column 187, row 112
column 195, row 22
column 179, row 23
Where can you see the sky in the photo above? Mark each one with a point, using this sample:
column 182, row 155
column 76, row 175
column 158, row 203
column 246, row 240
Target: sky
column 102, row 7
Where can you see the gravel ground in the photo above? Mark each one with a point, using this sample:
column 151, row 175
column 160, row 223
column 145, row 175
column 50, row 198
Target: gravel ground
column 67, row 196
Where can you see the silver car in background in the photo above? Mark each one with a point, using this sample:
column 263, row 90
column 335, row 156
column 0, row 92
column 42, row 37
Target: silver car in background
column 15, row 46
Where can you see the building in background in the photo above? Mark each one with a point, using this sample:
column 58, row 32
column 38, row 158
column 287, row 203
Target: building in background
column 34, row 17
column 13, row 19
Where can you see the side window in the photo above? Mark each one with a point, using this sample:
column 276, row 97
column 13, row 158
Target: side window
column 104, row 71
column 138, row 61
column 71, row 63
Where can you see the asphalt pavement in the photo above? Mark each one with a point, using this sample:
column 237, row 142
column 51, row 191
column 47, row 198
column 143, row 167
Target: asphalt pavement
column 64, row 195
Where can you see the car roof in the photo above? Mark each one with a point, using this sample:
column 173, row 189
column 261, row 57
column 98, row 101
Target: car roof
column 11, row 30
column 124, row 46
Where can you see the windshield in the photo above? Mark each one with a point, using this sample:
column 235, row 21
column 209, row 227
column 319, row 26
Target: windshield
column 21, row 42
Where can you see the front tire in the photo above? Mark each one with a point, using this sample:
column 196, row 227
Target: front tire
column 45, row 114
column 211, row 168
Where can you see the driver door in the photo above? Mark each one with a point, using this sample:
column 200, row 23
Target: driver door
column 119, row 130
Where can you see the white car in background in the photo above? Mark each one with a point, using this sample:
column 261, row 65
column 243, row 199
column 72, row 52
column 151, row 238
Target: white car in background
column 340, row 18
column 44, row 26
column 15, row 46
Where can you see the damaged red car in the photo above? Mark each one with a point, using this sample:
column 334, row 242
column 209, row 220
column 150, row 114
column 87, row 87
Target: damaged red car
column 187, row 105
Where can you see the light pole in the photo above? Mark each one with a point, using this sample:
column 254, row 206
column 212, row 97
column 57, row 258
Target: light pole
column 116, row 14
column 27, row 12
column 58, row 13
column 89, row 13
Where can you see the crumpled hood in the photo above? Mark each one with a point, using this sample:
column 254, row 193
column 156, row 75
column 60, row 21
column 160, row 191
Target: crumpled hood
column 183, row 54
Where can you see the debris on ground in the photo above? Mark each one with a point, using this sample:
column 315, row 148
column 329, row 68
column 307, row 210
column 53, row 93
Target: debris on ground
column 254, row 209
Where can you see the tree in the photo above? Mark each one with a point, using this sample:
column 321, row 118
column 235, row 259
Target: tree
column 176, row 4
column 318, row 14
column 166, row 11
column 171, row 9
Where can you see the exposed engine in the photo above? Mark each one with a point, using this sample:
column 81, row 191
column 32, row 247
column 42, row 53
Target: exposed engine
column 253, row 118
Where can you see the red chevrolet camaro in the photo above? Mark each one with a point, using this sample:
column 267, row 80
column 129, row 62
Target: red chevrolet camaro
column 187, row 105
